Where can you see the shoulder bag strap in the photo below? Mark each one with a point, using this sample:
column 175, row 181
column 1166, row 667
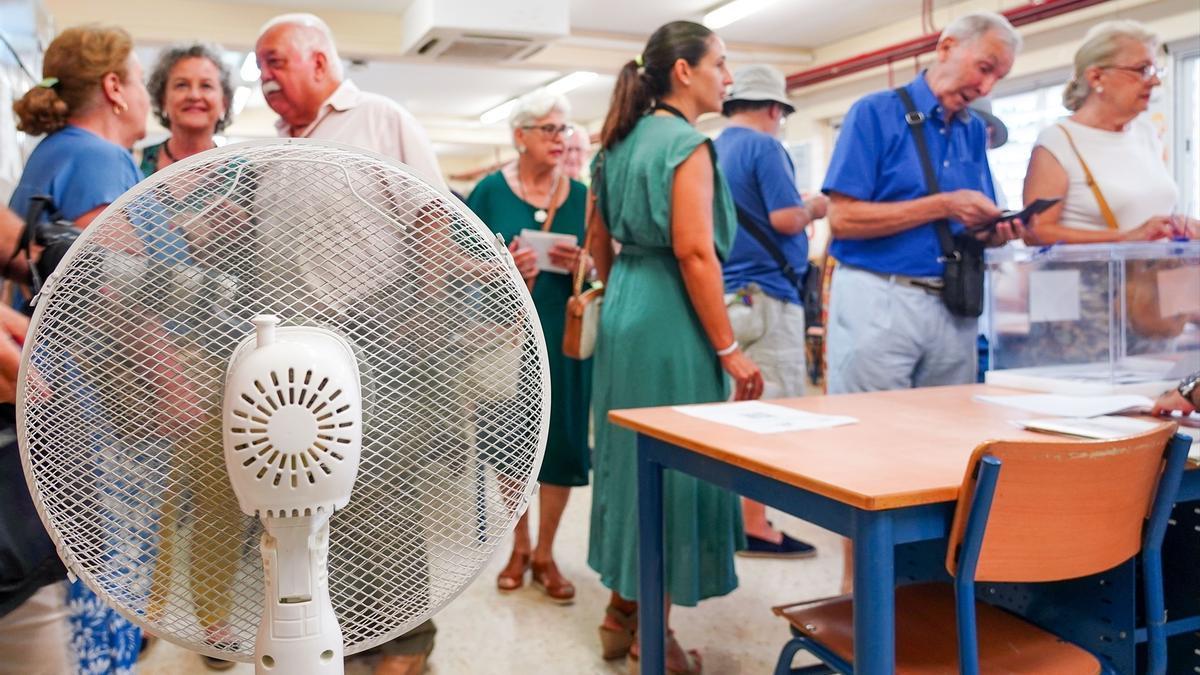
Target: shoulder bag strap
column 554, row 204
column 916, row 124
column 754, row 229
column 1105, row 210
column 593, row 209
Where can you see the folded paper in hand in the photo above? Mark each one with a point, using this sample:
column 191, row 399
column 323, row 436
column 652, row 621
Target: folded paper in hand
column 542, row 242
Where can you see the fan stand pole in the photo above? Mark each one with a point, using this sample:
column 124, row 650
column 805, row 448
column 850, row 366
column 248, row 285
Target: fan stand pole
column 298, row 632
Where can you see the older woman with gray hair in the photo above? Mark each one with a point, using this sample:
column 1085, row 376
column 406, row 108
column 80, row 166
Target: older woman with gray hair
column 533, row 193
column 1105, row 160
column 193, row 98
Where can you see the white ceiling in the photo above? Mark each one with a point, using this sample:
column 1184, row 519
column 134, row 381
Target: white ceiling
column 381, row 6
column 448, row 98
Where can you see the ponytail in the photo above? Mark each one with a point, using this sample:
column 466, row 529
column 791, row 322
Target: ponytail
column 74, row 65
column 644, row 80
column 630, row 99
column 40, row 111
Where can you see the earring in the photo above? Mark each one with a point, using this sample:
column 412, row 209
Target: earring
column 1099, row 90
column 120, row 108
column 520, row 149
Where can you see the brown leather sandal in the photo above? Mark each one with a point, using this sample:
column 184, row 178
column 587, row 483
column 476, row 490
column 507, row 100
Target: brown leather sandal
column 615, row 643
column 692, row 657
column 512, row 577
column 552, row 583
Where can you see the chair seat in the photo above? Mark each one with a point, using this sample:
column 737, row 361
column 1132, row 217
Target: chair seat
column 927, row 637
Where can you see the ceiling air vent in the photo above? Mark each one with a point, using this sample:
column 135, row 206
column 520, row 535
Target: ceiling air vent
column 467, row 30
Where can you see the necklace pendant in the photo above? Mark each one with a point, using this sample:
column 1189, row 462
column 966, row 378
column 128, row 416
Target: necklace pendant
column 540, row 215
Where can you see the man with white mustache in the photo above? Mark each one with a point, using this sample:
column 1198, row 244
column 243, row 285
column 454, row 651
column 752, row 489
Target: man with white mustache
column 302, row 81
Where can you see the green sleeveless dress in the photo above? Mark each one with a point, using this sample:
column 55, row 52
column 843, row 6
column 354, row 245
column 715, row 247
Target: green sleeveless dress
column 567, row 460
column 652, row 351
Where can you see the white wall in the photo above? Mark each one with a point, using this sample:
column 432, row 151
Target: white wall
column 1046, row 58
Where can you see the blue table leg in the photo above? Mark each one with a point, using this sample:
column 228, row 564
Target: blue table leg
column 874, row 594
column 651, row 567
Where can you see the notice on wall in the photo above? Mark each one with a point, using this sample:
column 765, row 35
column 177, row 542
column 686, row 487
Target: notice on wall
column 1054, row 295
column 1179, row 291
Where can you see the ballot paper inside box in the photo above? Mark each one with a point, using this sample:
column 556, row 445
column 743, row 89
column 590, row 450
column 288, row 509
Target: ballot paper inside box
column 1095, row 318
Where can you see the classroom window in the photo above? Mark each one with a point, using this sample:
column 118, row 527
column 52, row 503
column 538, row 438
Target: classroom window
column 1025, row 114
column 1186, row 147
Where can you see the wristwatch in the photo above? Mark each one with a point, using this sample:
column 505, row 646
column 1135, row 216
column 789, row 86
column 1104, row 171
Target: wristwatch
column 1188, row 386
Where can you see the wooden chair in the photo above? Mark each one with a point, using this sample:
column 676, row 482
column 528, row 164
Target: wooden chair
column 1027, row 512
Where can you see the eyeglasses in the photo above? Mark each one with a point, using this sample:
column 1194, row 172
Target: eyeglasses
column 552, row 130
column 1147, row 72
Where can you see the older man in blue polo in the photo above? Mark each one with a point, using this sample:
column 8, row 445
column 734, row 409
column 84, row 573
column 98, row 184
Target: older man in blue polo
column 893, row 217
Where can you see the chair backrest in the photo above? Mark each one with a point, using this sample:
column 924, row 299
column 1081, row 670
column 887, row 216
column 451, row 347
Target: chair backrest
column 1061, row 509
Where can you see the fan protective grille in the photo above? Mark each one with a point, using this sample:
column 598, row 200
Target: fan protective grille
column 121, row 391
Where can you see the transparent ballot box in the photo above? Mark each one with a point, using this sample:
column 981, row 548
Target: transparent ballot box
column 1094, row 318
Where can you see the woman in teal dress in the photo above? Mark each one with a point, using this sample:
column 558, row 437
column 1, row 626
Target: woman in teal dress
column 532, row 193
column 664, row 335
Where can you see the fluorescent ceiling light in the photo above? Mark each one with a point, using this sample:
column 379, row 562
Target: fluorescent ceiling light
column 734, row 11
column 249, row 71
column 558, row 87
column 573, row 81
column 500, row 112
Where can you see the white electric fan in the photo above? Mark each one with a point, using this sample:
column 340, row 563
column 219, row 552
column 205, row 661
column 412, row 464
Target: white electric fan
column 286, row 357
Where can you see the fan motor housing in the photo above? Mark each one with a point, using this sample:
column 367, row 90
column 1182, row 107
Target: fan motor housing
column 293, row 421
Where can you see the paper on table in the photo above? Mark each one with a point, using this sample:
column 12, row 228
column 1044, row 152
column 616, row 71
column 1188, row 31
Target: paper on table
column 1091, row 427
column 542, row 242
column 1054, row 295
column 1070, row 406
column 763, row 418
column 1179, row 291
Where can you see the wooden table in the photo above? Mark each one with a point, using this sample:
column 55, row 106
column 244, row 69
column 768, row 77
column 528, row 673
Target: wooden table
column 888, row 480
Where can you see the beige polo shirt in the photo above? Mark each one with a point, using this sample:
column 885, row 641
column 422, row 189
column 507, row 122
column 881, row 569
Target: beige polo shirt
column 372, row 122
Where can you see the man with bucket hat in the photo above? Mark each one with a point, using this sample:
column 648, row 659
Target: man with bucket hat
column 765, row 268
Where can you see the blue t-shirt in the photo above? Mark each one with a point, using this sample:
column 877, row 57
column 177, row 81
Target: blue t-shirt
column 876, row 160
column 78, row 170
column 762, row 179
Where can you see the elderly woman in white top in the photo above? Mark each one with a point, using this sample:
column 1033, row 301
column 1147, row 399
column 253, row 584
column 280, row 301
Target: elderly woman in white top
column 1131, row 196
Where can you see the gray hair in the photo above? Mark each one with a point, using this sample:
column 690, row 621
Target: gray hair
column 536, row 105
column 582, row 132
column 315, row 38
column 157, row 82
column 1100, row 45
column 971, row 27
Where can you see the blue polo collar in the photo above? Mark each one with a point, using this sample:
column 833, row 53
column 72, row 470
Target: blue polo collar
column 924, row 100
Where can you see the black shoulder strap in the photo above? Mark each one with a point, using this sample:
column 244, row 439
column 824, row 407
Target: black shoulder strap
column 754, row 229
column 916, row 124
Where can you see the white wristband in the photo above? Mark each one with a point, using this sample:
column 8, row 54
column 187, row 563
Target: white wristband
column 729, row 350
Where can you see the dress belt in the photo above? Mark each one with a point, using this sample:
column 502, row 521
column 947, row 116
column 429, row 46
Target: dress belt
column 640, row 250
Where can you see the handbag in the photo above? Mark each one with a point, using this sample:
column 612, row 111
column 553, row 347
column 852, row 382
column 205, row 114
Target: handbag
column 962, row 253
column 583, row 307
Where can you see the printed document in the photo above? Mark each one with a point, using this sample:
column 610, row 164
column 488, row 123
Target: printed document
column 763, row 418
column 1101, row 428
column 1061, row 405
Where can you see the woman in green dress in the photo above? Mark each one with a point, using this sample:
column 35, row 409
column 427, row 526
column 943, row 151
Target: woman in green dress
column 664, row 335
column 534, row 194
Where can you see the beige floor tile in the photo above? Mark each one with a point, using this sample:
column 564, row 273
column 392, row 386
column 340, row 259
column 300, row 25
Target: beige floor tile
column 485, row 632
